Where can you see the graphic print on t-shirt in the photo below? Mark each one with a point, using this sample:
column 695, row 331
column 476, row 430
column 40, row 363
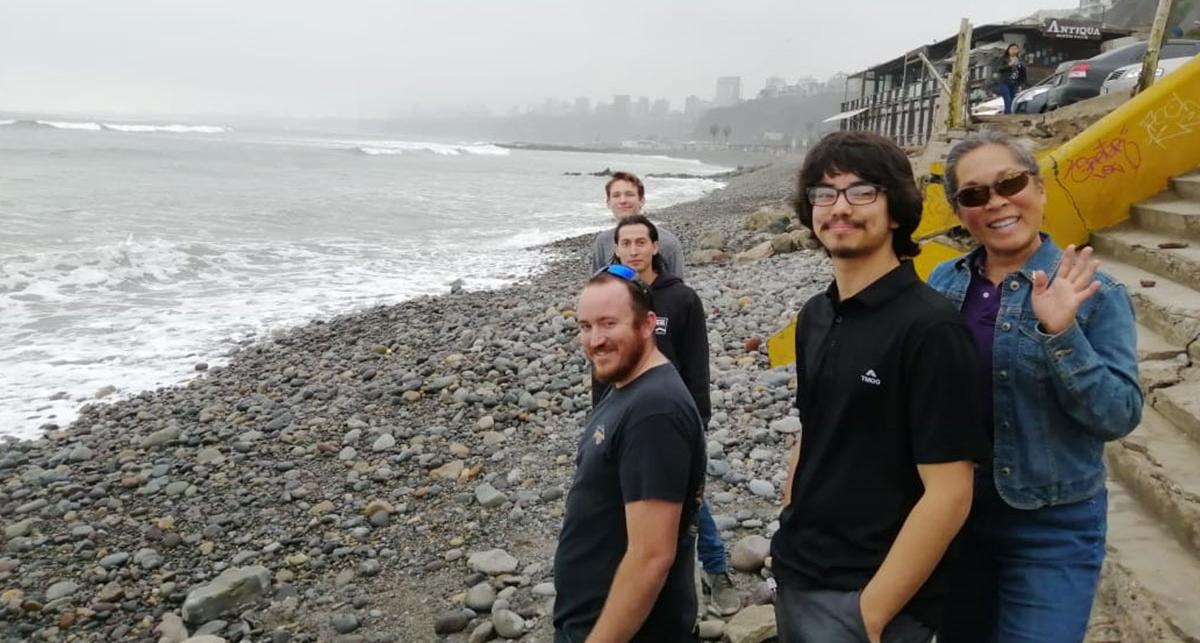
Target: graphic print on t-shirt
column 660, row 325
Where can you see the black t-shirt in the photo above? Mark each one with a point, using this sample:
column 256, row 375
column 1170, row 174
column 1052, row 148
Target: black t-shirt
column 643, row 442
column 886, row 381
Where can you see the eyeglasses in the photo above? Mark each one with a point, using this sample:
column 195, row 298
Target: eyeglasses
column 978, row 195
column 861, row 194
column 625, row 273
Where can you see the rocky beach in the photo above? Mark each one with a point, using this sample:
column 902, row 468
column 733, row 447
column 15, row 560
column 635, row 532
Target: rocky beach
column 396, row 474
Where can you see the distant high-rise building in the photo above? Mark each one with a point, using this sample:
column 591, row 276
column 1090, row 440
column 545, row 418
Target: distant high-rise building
column 694, row 106
column 621, row 105
column 808, row 86
column 583, row 106
column 729, row 91
column 642, row 108
column 774, row 86
column 661, row 107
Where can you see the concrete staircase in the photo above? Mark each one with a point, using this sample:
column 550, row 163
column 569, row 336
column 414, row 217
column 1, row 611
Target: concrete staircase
column 1151, row 586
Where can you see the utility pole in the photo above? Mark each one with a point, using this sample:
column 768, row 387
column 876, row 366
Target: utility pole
column 1154, row 45
column 959, row 77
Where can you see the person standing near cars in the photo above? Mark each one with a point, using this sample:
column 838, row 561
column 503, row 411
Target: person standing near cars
column 1012, row 76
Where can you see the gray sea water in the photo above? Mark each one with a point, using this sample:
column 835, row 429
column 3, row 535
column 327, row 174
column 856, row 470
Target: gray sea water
column 130, row 252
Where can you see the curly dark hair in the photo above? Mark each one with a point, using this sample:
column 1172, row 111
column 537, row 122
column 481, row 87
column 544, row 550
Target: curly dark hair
column 876, row 159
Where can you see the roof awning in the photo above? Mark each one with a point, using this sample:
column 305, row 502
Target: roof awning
column 845, row 115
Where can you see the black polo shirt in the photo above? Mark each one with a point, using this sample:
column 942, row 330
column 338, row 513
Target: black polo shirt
column 885, row 381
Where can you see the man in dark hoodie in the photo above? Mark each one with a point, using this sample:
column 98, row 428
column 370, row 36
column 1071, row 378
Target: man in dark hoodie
column 682, row 336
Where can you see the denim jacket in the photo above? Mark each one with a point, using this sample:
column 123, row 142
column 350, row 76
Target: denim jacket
column 1057, row 398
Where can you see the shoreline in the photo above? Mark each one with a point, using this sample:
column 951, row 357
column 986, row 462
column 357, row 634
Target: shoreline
column 217, row 351
column 355, row 469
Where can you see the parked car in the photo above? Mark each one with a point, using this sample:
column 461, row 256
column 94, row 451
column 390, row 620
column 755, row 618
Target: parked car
column 989, row 107
column 1084, row 79
column 1124, row 78
column 1033, row 100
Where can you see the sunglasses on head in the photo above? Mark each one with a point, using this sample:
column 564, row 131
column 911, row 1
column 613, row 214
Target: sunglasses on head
column 625, row 273
column 978, row 195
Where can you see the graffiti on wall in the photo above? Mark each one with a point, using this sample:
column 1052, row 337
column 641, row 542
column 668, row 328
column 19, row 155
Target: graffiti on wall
column 1116, row 155
column 1175, row 118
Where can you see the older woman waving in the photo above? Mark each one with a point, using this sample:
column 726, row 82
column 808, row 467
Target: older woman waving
column 1058, row 353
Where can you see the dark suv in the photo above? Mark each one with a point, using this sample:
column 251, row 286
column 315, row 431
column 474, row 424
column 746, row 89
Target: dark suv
column 1083, row 80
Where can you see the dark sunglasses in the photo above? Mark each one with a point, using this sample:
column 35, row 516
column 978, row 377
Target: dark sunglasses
column 978, row 195
column 625, row 273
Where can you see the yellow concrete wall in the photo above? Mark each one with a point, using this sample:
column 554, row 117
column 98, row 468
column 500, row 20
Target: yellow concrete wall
column 1091, row 181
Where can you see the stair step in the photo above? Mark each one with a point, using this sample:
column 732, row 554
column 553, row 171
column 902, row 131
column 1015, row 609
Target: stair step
column 1169, row 308
column 1160, row 466
column 1166, row 573
column 1152, row 346
column 1187, row 186
column 1180, row 404
column 1144, row 248
column 1169, row 214
column 1122, row 613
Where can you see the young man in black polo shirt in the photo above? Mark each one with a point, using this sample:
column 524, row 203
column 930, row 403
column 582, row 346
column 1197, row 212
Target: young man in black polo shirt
column 623, row 569
column 881, row 478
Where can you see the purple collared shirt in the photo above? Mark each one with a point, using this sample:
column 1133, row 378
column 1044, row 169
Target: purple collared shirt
column 979, row 311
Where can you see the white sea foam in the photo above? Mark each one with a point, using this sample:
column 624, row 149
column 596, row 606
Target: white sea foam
column 176, row 129
column 89, row 126
column 141, row 128
column 392, row 148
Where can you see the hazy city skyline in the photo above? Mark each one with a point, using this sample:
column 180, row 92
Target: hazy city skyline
column 369, row 58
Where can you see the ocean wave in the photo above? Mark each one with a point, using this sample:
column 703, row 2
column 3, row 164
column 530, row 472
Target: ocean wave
column 64, row 274
column 177, row 129
column 395, row 148
column 89, row 126
column 139, row 128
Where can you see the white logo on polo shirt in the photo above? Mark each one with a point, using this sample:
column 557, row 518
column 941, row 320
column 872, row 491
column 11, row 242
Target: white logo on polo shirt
column 871, row 378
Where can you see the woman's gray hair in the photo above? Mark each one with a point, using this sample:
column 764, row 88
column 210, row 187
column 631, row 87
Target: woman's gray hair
column 1020, row 151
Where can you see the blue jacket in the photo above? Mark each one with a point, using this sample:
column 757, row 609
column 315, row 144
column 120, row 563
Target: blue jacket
column 1057, row 399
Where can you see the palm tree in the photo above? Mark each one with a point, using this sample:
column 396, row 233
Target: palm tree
column 714, row 129
column 727, row 131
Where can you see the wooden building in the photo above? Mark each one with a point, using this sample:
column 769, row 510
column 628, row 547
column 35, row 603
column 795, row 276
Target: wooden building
column 898, row 98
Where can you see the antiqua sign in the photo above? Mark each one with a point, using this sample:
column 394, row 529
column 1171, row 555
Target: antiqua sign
column 1071, row 29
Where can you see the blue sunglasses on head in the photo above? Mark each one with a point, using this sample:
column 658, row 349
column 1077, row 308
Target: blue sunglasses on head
column 625, row 273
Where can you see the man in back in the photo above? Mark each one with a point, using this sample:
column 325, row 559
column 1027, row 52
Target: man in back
column 625, row 195
column 623, row 569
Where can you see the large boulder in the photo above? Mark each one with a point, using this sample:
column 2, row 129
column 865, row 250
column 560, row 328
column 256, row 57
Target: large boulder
column 749, row 554
column 231, row 590
column 492, row 562
column 782, row 244
column 771, row 220
column 712, row 240
column 761, row 251
column 803, row 238
column 752, row 625
column 706, row 256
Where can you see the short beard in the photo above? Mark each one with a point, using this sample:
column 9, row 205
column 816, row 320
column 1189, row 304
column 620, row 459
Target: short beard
column 628, row 363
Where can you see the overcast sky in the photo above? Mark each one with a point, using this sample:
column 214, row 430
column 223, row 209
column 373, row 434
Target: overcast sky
column 373, row 57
